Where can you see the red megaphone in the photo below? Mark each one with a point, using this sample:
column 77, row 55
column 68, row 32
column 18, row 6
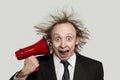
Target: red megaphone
column 38, row 48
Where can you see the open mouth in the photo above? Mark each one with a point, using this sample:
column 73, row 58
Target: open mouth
column 63, row 53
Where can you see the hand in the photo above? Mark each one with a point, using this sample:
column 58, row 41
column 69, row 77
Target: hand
column 30, row 64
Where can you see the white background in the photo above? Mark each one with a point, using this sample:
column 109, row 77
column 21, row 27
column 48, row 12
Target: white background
column 101, row 17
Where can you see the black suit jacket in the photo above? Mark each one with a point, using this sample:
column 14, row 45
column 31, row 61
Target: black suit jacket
column 85, row 69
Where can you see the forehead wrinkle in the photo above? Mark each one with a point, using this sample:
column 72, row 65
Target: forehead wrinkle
column 63, row 35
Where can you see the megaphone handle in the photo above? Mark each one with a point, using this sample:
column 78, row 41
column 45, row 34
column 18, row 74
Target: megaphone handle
column 37, row 69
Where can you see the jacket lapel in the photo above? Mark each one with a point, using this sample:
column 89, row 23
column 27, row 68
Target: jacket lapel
column 79, row 73
column 50, row 69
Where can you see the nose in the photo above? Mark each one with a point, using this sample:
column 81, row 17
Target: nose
column 63, row 44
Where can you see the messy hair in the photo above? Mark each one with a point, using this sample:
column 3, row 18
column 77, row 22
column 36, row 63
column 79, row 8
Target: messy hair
column 63, row 17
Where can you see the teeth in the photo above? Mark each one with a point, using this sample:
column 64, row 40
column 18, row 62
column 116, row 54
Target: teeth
column 61, row 51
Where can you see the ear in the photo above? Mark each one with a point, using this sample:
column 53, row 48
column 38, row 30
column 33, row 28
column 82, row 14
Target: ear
column 50, row 43
column 77, row 40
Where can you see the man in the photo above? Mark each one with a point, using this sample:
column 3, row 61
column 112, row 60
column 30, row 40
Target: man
column 65, row 36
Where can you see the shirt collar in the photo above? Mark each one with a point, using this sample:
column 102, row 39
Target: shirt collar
column 71, row 60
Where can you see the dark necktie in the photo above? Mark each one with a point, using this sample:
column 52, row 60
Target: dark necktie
column 66, row 75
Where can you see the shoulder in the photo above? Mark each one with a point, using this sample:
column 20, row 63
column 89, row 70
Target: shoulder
column 87, row 61
column 45, row 60
column 89, row 66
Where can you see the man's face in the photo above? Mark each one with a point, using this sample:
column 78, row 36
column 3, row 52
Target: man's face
column 63, row 40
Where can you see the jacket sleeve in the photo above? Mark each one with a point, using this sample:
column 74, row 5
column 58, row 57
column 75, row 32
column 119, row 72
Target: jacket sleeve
column 15, row 78
column 99, row 73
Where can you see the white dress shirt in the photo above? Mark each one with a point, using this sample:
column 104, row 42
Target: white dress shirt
column 59, row 67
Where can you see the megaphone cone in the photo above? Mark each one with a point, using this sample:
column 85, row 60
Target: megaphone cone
column 38, row 48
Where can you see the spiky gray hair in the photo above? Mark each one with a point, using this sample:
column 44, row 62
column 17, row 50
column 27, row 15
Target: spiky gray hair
column 64, row 17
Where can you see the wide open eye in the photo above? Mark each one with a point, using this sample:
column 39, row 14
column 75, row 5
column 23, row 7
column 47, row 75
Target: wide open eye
column 69, row 38
column 57, row 39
